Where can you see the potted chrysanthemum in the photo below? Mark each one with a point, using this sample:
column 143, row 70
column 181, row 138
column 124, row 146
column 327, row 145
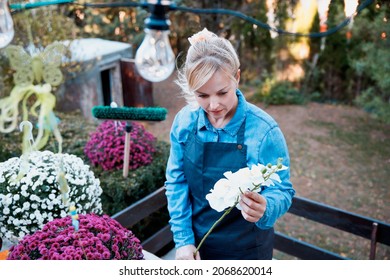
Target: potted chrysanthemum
column 30, row 194
column 97, row 238
column 105, row 146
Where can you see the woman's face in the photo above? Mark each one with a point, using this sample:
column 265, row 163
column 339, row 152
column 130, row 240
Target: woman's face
column 218, row 98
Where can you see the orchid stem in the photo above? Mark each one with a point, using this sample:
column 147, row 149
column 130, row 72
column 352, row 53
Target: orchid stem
column 219, row 220
column 213, row 226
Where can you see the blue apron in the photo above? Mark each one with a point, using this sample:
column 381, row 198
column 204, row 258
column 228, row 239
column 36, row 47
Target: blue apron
column 234, row 238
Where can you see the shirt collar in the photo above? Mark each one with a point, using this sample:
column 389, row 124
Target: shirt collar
column 235, row 123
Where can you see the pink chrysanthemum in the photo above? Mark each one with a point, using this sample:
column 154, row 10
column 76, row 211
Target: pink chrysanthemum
column 98, row 238
column 105, row 147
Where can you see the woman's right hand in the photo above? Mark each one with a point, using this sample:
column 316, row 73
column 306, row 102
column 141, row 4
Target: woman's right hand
column 187, row 253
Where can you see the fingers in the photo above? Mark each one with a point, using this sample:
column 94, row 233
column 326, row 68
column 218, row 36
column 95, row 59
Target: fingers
column 187, row 253
column 197, row 256
column 253, row 206
column 254, row 196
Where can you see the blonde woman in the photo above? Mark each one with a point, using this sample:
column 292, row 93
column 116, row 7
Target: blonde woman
column 220, row 131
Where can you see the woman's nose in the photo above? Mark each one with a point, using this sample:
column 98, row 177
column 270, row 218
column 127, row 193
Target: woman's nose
column 214, row 103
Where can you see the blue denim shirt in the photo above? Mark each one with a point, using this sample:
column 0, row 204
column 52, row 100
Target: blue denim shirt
column 265, row 143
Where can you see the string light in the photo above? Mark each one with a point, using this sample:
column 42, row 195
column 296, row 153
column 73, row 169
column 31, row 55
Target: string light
column 155, row 59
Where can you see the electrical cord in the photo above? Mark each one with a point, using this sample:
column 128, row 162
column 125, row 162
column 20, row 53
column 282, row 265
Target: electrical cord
column 172, row 7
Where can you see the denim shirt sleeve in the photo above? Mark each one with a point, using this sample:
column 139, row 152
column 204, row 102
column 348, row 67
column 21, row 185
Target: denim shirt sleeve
column 177, row 190
column 279, row 196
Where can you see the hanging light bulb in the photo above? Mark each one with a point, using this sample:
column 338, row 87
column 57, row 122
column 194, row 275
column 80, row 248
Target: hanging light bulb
column 154, row 59
column 6, row 25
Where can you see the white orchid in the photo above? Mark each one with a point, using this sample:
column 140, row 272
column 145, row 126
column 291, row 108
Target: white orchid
column 227, row 191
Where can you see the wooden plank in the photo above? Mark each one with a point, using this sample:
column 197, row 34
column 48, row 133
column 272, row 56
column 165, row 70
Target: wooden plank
column 302, row 250
column 318, row 212
column 158, row 240
column 142, row 208
column 340, row 219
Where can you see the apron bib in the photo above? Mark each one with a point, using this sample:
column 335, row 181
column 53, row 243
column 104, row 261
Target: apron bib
column 234, row 237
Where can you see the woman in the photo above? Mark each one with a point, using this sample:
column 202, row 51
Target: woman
column 220, row 131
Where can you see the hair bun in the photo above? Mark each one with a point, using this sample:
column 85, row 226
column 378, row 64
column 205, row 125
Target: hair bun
column 201, row 36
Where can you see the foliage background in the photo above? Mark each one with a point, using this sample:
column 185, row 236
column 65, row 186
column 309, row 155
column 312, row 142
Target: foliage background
column 352, row 71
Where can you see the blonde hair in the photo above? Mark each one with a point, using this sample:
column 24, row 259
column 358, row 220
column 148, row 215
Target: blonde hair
column 207, row 54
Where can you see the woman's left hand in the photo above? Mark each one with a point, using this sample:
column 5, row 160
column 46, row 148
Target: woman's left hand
column 253, row 206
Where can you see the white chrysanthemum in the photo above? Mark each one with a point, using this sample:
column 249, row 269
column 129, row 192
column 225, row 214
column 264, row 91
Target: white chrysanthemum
column 50, row 179
column 31, row 199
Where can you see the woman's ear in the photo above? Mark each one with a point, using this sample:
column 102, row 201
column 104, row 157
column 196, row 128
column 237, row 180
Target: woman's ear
column 238, row 75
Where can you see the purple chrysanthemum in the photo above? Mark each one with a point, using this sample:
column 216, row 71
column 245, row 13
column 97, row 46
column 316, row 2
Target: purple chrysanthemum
column 98, row 238
column 105, row 146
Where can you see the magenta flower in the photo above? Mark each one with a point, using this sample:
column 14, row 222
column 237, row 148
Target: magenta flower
column 105, row 146
column 98, row 238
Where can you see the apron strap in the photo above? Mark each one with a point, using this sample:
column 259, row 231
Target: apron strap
column 241, row 133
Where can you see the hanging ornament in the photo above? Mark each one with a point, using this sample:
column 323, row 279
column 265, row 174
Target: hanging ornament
column 323, row 8
column 35, row 76
column 271, row 19
column 350, row 7
column 7, row 31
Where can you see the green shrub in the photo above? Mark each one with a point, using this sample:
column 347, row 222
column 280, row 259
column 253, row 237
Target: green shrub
column 278, row 93
column 375, row 105
column 120, row 192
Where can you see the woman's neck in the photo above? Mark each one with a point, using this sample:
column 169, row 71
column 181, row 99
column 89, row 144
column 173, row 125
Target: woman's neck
column 222, row 122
